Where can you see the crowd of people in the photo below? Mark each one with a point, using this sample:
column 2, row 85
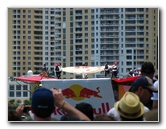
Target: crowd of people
column 111, row 71
column 140, row 103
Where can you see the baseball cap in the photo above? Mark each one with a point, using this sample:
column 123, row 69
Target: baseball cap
column 145, row 82
column 42, row 99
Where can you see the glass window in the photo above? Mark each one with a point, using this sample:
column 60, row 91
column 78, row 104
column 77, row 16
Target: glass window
column 18, row 94
column 11, row 87
column 11, row 94
column 18, row 87
column 25, row 94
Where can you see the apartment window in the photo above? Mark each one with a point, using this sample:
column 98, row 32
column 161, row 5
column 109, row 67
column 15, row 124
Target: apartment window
column 86, row 40
column 25, row 87
column 29, row 58
column 11, row 94
column 86, row 11
column 86, row 17
column 86, row 28
column 29, row 16
column 18, row 87
column 11, row 87
column 147, row 9
column 147, row 22
column 29, row 11
column 29, row 47
column 25, row 94
column 29, row 22
column 147, row 16
column 86, row 23
column 18, row 94
column 86, row 52
column 147, row 28
column 128, row 63
column 147, row 33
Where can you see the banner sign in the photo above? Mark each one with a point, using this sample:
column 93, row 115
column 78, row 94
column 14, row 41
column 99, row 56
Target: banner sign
column 97, row 91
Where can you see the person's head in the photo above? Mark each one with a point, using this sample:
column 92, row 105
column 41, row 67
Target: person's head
column 143, row 87
column 129, row 107
column 67, row 117
column 43, row 103
column 115, row 63
column 104, row 117
column 147, row 69
column 13, row 115
column 86, row 108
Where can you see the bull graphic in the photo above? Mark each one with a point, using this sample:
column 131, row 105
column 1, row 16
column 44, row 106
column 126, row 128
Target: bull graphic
column 68, row 93
column 88, row 92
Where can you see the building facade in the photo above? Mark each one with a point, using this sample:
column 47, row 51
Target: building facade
column 72, row 36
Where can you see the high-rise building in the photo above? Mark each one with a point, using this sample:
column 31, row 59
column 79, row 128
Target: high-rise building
column 72, row 36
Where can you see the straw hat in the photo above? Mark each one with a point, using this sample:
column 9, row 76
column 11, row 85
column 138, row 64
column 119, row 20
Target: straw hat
column 129, row 106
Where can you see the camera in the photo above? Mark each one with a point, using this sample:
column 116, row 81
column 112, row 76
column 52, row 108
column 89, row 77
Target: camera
column 26, row 109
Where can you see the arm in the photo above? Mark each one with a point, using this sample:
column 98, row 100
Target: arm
column 61, row 103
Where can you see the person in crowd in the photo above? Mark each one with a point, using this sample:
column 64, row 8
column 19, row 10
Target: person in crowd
column 58, row 70
column 44, row 102
column 154, row 98
column 151, row 115
column 131, row 73
column 147, row 69
column 86, row 108
column 129, row 108
column 44, row 71
column 13, row 116
column 106, row 69
column 115, row 70
column 143, row 87
column 103, row 117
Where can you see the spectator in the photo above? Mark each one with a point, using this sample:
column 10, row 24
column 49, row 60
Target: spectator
column 106, row 69
column 143, row 87
column 44, row 71
column 154, row 98
column 44, row 102
column 72, row 111
column 131, row 73
column 147, row 69
column 130, row 107
column 115, row 70
column 85, row 108
column 67, row 117
column 58, row 70
column 151, row 115
column 13, row 116
column 103, row 117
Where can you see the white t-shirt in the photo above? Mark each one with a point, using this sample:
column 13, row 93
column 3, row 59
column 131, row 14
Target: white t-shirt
column 112, row 112
column 155, row 95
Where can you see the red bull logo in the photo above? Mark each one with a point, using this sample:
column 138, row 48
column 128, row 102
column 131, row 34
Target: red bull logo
column 78, row 92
